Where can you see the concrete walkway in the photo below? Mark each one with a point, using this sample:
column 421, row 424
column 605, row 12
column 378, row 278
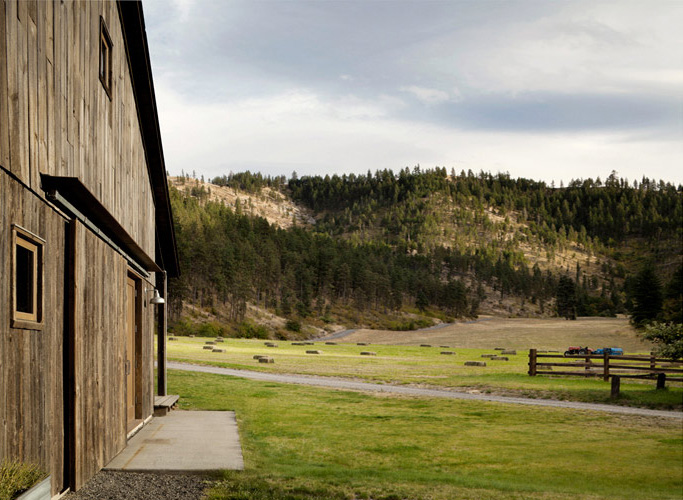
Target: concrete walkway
column 183, row 441
column 338, row 383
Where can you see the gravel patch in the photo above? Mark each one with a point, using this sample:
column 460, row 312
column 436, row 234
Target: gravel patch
column 107, row 485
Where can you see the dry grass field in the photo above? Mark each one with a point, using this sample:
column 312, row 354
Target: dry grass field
column 516, row 333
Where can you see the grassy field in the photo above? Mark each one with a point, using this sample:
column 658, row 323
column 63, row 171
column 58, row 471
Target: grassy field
column 410, row 364
column 517, row 333
column 304, row 443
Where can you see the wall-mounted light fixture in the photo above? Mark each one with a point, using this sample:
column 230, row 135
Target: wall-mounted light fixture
column 157, row 299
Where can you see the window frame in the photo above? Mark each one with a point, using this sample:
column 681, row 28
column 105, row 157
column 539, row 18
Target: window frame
column 19, row 319
column 105, row 69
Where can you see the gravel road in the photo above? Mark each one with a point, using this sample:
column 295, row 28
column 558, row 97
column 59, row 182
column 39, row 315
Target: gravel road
column 339, row 383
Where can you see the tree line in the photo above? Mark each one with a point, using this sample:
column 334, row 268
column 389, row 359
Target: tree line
column 378, row 243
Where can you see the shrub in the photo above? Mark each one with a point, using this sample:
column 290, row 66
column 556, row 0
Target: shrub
column 248, row 330
column 668, row 338
column 183, row 327
column 15, row 478
column 210, row 330
column 293, row 325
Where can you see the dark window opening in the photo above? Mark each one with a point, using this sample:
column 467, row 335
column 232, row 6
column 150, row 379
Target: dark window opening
column 25, row 280
column 105, row 58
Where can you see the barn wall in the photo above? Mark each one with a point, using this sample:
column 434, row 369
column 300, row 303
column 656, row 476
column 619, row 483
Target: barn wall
column 99, row 334
column 31, row 397
column 56, row 118
column 55, row 115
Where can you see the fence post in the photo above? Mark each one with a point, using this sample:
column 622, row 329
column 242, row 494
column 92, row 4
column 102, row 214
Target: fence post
column 616, row 383
column 532, row 362
column 605, row 367
column 652, row 361
column 661, row 381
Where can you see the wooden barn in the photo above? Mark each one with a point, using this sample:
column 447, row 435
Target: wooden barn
column 86, row 233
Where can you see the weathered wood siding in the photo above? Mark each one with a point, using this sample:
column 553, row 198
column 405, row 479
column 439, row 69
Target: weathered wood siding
column 31, row 397
column 55, row 115
column 56, row 118
column 99, row 339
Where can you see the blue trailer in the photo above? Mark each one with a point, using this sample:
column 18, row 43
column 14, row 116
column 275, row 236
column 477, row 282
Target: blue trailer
column 610, row 351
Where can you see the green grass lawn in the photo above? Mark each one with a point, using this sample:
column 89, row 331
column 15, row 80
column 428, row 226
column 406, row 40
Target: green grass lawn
column 423, row 366
column 304, row 443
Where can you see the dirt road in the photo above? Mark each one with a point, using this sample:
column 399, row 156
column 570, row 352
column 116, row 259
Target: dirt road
column 338, row 383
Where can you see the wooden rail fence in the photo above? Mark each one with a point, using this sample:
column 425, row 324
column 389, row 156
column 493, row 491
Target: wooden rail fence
column 606, row 366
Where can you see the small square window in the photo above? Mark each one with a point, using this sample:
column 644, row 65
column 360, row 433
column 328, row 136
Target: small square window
column 27, row 280
column 105, row 58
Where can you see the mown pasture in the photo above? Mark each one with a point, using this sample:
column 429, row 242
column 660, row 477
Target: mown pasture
column 413, row 364
column 305, row 443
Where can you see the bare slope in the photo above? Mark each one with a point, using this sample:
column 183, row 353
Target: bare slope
column 268, row 203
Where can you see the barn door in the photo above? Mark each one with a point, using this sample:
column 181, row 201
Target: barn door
column 131, row 354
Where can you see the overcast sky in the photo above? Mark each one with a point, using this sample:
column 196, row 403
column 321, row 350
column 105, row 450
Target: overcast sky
column 548, row 90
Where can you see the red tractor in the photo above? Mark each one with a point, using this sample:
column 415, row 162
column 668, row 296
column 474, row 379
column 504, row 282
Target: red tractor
column 576, row 351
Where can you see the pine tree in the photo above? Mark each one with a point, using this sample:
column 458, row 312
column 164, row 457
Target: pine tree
column 647, row 297
column 566, row 298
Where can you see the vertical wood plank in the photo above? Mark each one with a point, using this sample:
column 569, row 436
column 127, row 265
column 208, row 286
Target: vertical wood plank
column 16, row 57
column 4, row 113
column 32, row 91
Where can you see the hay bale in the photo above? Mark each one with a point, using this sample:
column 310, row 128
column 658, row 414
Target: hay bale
column 500, row 358
column 266, row 360
column 208, row 342
column 191, row 336
column 271, row 344
column 425, row 345
column 218, row 350
column 298, row 343
column 172, row 338
column 220, row 340
column 368, row 353
column 259, row 356
column 448, row 353
column 510, row 351
column 475, row 363
column 445, row 346
column 499, row 349
column 330, row 343
column 487, row 355
column 209, row 347
column 314, row 352
column 362, row 343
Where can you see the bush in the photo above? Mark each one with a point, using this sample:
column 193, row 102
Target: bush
column 183, row 327
column 15, row 478
column 667, row 337
column 293, row 325
column 248, row 330
column 210, row 330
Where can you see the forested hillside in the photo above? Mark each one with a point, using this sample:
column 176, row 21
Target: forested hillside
column 391, row 249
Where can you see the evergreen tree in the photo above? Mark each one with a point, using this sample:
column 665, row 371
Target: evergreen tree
column 647, row 297
column 672, row 307
column 566, row 298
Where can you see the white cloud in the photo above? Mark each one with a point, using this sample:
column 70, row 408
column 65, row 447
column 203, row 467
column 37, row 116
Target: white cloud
column 297, row 85
column 429, row 96
column 302, row 131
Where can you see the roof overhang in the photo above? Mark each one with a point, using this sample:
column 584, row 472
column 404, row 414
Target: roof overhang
column 76, row 200
column 137, row 52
